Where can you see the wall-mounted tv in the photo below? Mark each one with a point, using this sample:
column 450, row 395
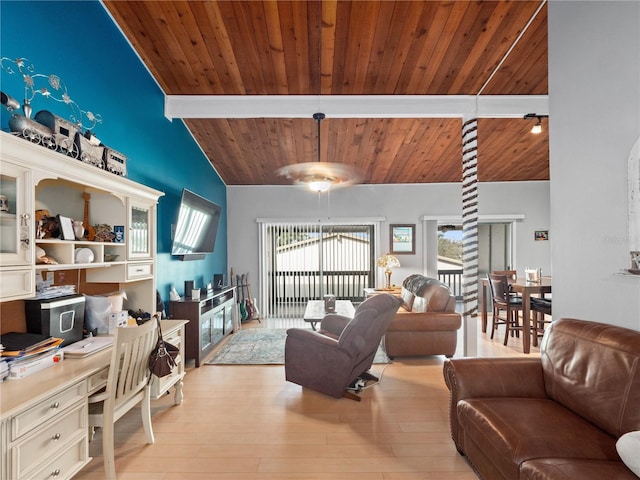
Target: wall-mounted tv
column 196, row 227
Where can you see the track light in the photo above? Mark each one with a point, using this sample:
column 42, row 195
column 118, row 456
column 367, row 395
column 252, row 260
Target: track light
column 537, row 128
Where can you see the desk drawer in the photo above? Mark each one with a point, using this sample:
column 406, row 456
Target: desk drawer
column 46, row 442
column 98, row 380
column 16, row 284
column 174, row 338
column 49, row 408
column 139, row 270
column 64, row 466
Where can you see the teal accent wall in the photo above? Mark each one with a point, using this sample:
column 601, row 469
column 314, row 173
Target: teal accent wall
column 79, row 42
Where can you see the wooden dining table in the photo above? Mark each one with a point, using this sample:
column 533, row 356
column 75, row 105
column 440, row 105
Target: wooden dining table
column 525, row 289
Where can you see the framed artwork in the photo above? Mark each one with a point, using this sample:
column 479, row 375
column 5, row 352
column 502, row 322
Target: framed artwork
column 402, row 239
column 541, row 235
column 66, row 228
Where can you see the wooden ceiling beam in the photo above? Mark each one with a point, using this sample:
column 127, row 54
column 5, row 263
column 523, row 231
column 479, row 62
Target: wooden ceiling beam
column 354, row 106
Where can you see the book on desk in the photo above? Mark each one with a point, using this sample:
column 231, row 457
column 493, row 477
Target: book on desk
column 88, row 346
column 28, row 353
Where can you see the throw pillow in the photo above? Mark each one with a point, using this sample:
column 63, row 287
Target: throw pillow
column 628, row 446
column 407, row 300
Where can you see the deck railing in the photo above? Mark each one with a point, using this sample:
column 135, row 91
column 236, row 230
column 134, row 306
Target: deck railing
column 298, row 287
column 302, row 286
column 453, row 278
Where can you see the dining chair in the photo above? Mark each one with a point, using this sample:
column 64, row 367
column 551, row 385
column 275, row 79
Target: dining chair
column 540, row 308
column 504, row 301
column 511, row 274
column 127, row 386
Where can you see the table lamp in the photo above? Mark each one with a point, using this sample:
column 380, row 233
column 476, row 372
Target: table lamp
column 388, row 262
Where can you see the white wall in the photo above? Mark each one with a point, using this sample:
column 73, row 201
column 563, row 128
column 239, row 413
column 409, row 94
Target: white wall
column 396, row 203
column 594, row 92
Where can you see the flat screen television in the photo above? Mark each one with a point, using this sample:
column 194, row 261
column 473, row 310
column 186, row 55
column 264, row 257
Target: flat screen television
column 196, row 227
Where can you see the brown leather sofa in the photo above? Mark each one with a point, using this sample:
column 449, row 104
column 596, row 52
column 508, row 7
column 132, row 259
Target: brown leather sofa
column 553, row 417
column 426, row 323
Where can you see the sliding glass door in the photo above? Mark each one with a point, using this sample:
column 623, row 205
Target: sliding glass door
column 306, row 261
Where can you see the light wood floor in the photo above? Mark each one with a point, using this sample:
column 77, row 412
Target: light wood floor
column 248, row 423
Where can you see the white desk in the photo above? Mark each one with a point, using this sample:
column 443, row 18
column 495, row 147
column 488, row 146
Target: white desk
column 43, row 417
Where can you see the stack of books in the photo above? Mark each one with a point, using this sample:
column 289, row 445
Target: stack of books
column 4, row 367
column 28, row 353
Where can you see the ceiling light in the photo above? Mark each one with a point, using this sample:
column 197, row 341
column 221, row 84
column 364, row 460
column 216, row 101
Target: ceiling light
column 320, row 176
column 320, row 185
column 537, row 128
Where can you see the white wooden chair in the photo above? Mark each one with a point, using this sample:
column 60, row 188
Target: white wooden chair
column 127, row 386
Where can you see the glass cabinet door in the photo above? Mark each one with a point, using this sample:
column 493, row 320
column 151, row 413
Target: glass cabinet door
column 228, row 318
column 206, row 329
column 218, row 326
column 16, row 216
column 140, row 231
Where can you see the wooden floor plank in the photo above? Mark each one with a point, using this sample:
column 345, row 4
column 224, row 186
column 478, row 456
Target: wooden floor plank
column 245, row 422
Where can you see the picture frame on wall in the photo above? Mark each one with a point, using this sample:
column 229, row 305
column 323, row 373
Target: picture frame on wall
column 541, row 235
column 66, row 228
column 402, row 239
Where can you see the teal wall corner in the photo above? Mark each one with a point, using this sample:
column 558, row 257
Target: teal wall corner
column 79, row 42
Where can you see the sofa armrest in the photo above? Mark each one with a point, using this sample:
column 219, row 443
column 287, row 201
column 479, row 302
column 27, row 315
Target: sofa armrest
column 494, row 377
column 468, row 378
column 304, row 335
column 334, row 324
column 428, row 321
column 303, row 343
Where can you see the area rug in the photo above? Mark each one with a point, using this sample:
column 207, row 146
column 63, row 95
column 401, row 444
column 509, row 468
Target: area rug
column 261, row 346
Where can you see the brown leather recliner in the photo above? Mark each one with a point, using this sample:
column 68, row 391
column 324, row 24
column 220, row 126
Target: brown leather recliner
column 426, row 323
column 558, row 416
column 343, row 349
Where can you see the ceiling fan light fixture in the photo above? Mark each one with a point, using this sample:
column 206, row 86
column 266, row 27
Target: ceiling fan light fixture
column 320, row 176
column 320, row 185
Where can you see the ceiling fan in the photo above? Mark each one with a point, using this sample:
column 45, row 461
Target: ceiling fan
column 320, row 176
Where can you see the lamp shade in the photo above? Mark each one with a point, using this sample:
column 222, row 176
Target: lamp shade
column 388, row 261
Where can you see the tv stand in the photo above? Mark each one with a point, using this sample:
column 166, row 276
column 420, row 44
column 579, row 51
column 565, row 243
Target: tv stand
column 210, row 320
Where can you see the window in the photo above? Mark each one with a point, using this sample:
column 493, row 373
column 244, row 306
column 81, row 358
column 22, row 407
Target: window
column 304, row 261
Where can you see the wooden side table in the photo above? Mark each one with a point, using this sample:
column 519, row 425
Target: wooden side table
column 369, row 292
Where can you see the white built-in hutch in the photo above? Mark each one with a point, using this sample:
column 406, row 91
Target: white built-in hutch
column 43, row 417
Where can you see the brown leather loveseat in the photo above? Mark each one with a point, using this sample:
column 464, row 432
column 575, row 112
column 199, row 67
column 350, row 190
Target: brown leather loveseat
column 426, row 323
column 558, row 416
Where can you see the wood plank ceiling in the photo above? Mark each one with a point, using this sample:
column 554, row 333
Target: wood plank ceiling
column 339, row 47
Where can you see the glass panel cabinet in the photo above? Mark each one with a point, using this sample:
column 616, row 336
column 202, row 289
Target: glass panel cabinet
column 38, row 181
column 17, row 274
column 140, row 231
column 16, row 222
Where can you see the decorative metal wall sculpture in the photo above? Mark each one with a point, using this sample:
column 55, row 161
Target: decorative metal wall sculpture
column 73, row 137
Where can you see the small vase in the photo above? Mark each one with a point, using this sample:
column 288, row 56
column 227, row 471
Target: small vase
column 78, row 229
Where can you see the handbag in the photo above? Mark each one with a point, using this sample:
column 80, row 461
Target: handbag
column 163, row 357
